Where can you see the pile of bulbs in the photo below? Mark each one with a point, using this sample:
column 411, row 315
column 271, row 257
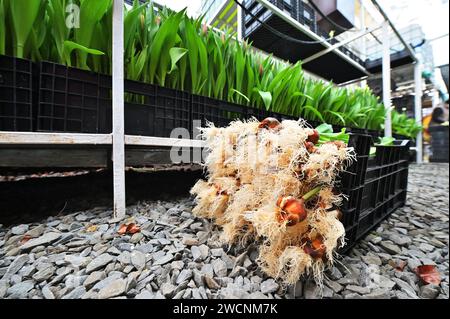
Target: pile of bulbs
column 274, row 182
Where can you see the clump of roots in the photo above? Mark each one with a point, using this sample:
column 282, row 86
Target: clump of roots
column 271, row 182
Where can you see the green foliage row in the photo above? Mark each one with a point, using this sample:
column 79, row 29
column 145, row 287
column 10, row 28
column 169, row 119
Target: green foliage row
column 173, row 50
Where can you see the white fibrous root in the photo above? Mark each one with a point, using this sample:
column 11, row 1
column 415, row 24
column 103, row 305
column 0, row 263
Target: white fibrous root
column 272, row 182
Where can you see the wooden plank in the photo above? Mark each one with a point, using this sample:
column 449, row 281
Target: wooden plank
column 118, row 152
column 146, row 157
column 25, row 138
column 52, row 157
column 162, row 141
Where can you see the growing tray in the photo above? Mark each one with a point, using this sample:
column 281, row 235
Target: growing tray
column 17, row 91
column 79, row 101
column 73, row 100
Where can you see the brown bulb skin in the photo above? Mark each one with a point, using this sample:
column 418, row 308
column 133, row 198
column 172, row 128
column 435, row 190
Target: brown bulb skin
column 315, row 248
column 269, row 123
column 314, row 137
column 292, row 210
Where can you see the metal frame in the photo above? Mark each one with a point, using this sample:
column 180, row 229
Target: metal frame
column 338, row 45
column 310, row 33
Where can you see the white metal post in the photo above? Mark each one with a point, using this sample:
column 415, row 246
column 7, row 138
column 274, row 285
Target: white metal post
column 240, row 25
column 118, row 145
column 418, row 109
column 387, row 79
column 363, row 39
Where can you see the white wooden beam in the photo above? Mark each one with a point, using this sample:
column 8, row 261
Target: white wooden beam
column 386, row 67
column 118, row 152
column 40, row 138
column 162, row 141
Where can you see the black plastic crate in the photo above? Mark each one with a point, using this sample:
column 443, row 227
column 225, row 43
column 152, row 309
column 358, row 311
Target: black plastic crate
column 439, row 143
column 351, row 207
column 354, row 175
column 79, row 101
column 382, row 183
column 282, row 117
column 73, row 100
column 391, row 154
column 221, row 113
column 17, row 92
column 307, row 16
column 151, row 110
column 367, row 222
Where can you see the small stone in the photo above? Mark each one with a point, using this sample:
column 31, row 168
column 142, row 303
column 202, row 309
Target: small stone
column 378, row 294
column 138, row 259
column 167, row 289
column 211, row 283
column 16, row 265
column 334, row 285
column 204, row 251
column 77, row 261
column 93, row 278
column 269, row 286
column 311, row 290
column 77, row 293
column 219, row 267
column 42, row 240
column 47, row 293
column 196, row 253
column 238, row 271
column 125, row 246
column 114, row 289
column 113, row 251
column 3, row 288
column 189, row 241
column 124, row 258
column 429, row 291
column 217, row 252
column 384, row 282
column 335, row 274
column 132, row 281
column 36, row 231
column 145, row 294
column 426, row 247
column 184, row 275
column 405, row 287
column 19, row 229
column 390, row 248
column 163, row 260
column 99, row 262
column 257, row 295
column 400, row 240
column 353, row 296
column 146, row 248
column 20, row 290
column 136, row 238
column 44, row 274
column 371, row 260
column 358, row 289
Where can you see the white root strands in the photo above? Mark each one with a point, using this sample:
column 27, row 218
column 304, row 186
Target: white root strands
column 249, row 168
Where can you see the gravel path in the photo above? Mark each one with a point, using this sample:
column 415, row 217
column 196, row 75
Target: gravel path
column 178, row 256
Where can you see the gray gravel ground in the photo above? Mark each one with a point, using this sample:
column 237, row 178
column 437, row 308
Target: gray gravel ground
column 179, row 256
